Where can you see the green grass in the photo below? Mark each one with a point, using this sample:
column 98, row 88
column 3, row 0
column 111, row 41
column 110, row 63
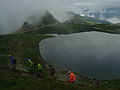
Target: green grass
column 17, row 81
column 77, row 28
column 26, row 45
column 21, row 46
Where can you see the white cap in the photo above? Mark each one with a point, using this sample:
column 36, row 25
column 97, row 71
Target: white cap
column 69, row 72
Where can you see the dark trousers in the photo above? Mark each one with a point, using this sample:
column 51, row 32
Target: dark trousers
column 40, row 74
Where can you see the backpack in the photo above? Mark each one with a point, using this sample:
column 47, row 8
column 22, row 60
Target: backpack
column 15, row 61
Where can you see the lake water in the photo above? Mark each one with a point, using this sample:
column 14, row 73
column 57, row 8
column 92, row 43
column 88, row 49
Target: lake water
column 94, row 54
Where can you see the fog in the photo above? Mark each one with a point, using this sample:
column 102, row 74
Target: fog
column 14, row 12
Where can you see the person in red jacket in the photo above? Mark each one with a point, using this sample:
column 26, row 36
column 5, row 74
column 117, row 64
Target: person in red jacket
column 72, row 77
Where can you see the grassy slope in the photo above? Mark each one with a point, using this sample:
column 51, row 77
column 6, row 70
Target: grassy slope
column 20, row 46
column 77, row 28
column 26, row 45
column 16, row 81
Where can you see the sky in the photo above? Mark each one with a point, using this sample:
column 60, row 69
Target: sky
column 14, row 12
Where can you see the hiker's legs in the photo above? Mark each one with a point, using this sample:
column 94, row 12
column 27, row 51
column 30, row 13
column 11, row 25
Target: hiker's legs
column 52, row 74
column 13, row 67
column 39, row 74
column 72, row 81
column 30, row 70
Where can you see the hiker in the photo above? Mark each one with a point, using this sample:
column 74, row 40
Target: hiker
column 52, row 71
column 13, row 62
column 29, row 65
column 72, row 77
column 40, row 71
column 96, row 82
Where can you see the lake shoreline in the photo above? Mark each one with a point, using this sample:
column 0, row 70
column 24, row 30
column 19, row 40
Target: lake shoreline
column 74, row 40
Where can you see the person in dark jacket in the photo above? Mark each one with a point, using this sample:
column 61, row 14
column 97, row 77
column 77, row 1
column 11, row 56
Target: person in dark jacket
column 52, row 71
column 96, row 82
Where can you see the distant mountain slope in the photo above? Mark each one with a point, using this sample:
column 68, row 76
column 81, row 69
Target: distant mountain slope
column 48, row 19
column 49, row 25
column 77, row 19
column 111, row 14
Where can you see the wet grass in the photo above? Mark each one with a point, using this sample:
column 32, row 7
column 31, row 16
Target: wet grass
column 26, row 45
column 17, row 81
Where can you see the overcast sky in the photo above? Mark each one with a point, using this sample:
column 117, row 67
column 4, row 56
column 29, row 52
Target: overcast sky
column 14, row 12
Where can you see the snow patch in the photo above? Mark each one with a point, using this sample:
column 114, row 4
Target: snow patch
column 114, row 20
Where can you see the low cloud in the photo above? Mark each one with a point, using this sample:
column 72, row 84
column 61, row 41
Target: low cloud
column 14, row 12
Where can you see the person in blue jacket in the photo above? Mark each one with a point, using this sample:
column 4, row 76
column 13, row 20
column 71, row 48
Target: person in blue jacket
column 13, row 62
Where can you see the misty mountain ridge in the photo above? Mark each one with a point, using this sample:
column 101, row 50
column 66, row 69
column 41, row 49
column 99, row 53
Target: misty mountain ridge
column 78, row 19
column 45, row 19
column 111, row 14
column 48, row 22
column 48, row 19
column 34, row 21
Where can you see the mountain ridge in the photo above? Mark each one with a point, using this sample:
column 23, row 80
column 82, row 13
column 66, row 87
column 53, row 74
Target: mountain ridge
column 105, row 13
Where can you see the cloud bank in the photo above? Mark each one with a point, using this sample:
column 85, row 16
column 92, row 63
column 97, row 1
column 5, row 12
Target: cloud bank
column 14, row 12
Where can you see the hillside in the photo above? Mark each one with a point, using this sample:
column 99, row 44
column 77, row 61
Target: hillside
column 76, row 24
column 103, row 12
column 48, row 19
column 77, row 19
column 26, row 45
column 16, row 81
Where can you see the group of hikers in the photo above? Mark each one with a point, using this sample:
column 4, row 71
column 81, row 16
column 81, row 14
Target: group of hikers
column 29, row 64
